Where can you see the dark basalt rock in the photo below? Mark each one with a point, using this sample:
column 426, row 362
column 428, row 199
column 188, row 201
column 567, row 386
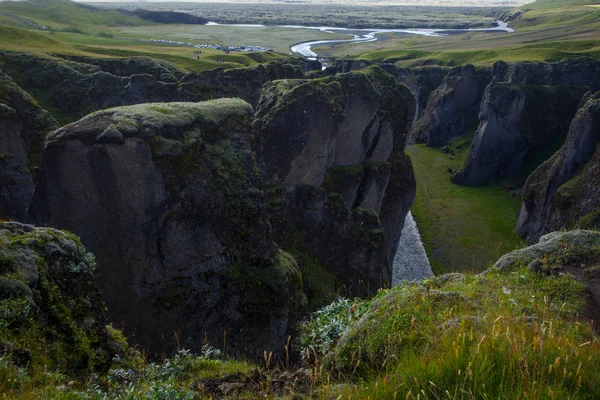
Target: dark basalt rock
column 565, row 190
column 422, row 81
column 345, row 134
column 52, row 314
column 170, row 199
column 451, row 106
column 525, row 112
column 75, row 87
column 23, row 125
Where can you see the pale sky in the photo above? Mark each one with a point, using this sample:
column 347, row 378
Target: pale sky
column 450, row 3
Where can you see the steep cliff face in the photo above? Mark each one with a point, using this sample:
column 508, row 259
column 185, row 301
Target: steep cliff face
column 525, row 112
column 499, row 145
column 345, row 134
column 52, row 314
column 451, row 106
column 170, row 199
column 23, row 125
column 565, row 190
column 72, row 88
column 422, row 81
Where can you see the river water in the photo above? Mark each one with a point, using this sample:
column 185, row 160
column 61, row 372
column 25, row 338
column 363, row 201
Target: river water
column 370, row 35
column 411, row 262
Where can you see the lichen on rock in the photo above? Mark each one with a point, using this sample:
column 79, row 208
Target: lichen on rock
column 51, row 312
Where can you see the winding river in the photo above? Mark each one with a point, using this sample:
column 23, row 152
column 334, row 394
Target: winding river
column 370, row 35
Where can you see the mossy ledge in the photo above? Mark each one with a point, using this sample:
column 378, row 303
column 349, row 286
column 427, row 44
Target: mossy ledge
column 51, row 313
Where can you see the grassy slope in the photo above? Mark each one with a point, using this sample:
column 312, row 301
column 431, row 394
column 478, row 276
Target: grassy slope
column 492, row 352
column 463, row 228
column 65, row 13
column 62, row 43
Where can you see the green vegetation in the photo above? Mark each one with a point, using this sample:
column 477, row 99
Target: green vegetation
column 547, row 51
column 544, row 32
column 175, row 378
column 510, row 333
column 463, row 228
column 60, row 14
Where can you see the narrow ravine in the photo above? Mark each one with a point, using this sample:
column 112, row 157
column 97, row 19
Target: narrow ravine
column 411, row 262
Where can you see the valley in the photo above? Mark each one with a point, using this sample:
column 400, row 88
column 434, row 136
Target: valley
column 184, row 217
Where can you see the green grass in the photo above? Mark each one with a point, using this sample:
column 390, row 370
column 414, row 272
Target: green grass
column 463, row 228
column 64, row 13
column 47, row 45
column 278, row 39
column 543, row 52
column 492, row 352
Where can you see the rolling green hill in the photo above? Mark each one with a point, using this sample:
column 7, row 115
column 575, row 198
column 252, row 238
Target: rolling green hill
column 63, row 13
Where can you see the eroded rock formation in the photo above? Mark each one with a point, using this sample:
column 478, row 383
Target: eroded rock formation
column 452, row 106
column 74, row 87
column 337, row 145
column 171, row 201
column 565, row 190
column 23, row 125
column 525, row 115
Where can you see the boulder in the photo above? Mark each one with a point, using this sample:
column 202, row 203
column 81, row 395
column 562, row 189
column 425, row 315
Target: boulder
column 565, row 190
column 51, row 313
column 23, row 125
column 171, row 200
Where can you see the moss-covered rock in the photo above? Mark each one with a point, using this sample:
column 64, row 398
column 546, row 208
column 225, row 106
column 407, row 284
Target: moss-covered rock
column 565, row 190
column 76, row 86
column 51, row 312
column 170, row 199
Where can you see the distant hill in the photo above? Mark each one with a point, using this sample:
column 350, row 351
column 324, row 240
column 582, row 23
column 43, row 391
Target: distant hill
column 166, row 17
column 583, row 14
column 61, row 13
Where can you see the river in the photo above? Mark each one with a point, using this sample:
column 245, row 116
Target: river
column 410, row 262
column 370, row 35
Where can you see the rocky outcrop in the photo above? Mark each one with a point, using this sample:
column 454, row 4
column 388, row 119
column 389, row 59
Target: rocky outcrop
column 52, row 316
column 345, row 134
column 422, row 81
column 170, row 199
column 565, row 190
column 558, row 253
column 72, row 88
column 525, row 115
column 452, row 106
column 23, row 125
